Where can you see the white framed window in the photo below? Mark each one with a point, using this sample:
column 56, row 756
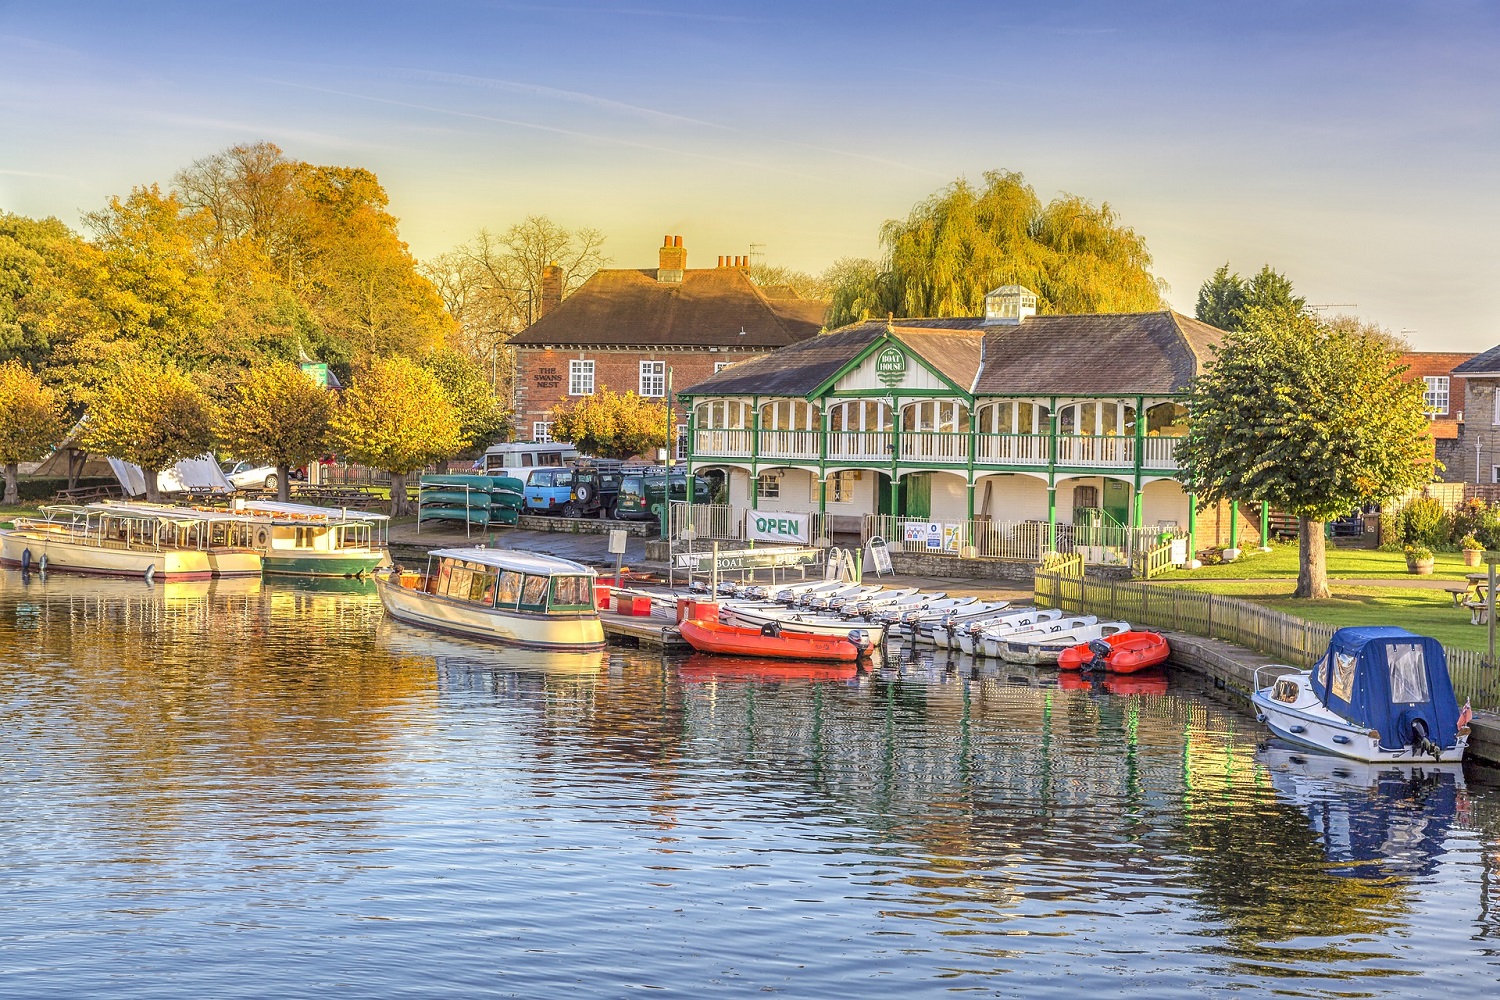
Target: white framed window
column 1495, row 473
column 653, row 379
column 721, row 365
column 580, row 378
column 1435, row 398
column 682, row 441
column 541, row 431
column 768, row 486
column 840, row 486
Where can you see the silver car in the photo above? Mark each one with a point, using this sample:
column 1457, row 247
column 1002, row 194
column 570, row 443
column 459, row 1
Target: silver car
column 251, row 476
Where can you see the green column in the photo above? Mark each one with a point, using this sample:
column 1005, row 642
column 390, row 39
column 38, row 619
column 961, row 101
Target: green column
column 1265, row 525
column 1052, row 516
column 1234, row 524
column 1052, row 475
column 754, row 452
column 895, row 453
column 1138, row 508
column 822, row 493
column 688, row 460
column 1137, row 513
column 1192, row 538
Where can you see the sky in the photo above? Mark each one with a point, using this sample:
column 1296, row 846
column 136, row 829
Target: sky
column 1354, row 146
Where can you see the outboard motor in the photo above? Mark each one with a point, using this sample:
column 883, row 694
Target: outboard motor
column 860, row 641
column 1420, row 743
column 771, row 630
column 1101, row 651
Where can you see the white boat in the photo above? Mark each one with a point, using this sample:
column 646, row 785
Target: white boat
column 972, row 640
column 937, row 631
column 1044, row 646
column 834, row 599
column 1377, row 694
column 302, row 540
column 757, row 615
column 793, row 592
column 498, row 595
column 123, row 539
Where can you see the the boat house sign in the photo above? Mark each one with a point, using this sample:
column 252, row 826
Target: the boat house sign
column 890, row 366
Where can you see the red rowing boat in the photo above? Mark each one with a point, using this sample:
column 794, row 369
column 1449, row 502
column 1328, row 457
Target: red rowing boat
column 732, row 640
column 1127, row 653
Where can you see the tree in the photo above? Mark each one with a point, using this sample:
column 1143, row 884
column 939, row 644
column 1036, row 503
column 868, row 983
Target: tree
column 31, row 421
column 279, row 416
column 481, row 418
column 809, row 286
column 963, row 242
column 151, row 414
column 608, row 425
column 396, row 417
column 1313, row 420
column 1227, row 300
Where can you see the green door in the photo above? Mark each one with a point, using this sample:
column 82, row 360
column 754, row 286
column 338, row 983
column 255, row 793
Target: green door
column 882, row 493
column 1117, row 500
column 916, row 495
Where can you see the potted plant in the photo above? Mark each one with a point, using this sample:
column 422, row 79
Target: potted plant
column 1472, row 549
column 1418, row 559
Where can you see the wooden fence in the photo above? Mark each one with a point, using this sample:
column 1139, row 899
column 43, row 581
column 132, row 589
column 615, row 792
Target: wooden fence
column 1276, row 634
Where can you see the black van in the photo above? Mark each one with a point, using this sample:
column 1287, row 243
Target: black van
column 639, row 491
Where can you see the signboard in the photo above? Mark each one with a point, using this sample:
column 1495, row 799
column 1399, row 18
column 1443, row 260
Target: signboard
column 914, row 532
column 890, row 366
column 880, row 556
column 773, row 526
column 317, row 371
column 703, row 562
column 952, row 535
column 934, row 536
column 617, row 540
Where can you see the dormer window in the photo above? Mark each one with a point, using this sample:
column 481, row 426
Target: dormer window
column 1009, row 305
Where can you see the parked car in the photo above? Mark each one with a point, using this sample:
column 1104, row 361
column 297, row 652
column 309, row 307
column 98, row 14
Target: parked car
column 596, row 486
column 253, row 476
column 548, row 491
column 639, row 492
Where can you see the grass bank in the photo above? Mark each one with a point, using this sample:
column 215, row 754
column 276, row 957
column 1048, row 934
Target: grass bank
column 1343, row 564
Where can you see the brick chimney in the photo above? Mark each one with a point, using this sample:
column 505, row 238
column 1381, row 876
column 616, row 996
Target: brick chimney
column 552, row 288
column 673, row 261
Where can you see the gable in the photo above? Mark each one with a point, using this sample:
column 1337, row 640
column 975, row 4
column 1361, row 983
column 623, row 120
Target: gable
column 891, row 366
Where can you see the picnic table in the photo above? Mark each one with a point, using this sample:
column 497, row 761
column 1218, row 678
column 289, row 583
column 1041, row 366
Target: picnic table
column 88, row 494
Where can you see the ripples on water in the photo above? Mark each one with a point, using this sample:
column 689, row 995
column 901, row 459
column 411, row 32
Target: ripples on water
column 236, row 789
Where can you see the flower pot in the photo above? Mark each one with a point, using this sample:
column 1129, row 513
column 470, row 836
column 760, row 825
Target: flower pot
column 1421, row 567
column 1472, row 556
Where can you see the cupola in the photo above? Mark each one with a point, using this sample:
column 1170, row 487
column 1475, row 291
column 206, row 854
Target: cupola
column 1008, row 305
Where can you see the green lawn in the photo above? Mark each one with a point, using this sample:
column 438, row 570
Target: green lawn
column 1425, row 611
column 1343, row 564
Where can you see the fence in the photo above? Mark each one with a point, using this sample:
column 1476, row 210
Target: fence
column 1023, row 541
column 1276, row 634
column 726, row 523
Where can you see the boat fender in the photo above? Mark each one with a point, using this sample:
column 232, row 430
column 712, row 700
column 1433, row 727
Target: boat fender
column 150, row 574
column 25, row 560
column 260, row 537
column 41, row 564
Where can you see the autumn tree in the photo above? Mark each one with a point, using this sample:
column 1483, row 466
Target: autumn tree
column 773, row 276
column 964, row 241
column 1314, row 420
column 152, row 414
column 481, row 418
column 397, row 418
column 31, row 422
column 1227, row 300
column 279, row 416
column 609, row 425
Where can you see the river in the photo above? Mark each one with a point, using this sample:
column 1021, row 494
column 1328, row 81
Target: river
column 246, row 789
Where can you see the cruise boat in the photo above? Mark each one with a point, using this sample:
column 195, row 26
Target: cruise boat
column 1377, row 694
column 498, row 595
column 302, row 540
column 152, row 541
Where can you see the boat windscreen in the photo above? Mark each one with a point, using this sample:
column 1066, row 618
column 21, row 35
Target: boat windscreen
column 1408, row 673
column 571, row 593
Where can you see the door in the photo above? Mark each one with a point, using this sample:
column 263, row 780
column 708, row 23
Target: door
column 1117, row 500
column 916, row 495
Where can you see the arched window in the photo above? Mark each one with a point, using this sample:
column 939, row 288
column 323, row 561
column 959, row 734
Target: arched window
column 1097, row 418
column 936, row 415
column 723, row 414
column 1016, row 416
column 789, row 415
column 859, row 415
column 1166, row 420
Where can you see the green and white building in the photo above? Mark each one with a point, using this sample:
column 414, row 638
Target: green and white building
column 1010, row 417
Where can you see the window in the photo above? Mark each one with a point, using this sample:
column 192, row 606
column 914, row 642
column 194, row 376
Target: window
column 1435, row 399
column 572, row 593
column 682, row 441
column 1408, row 673
column 534, row 592
column 840, row 486
column 653, row 379
column 580, row 378
column 541, row 433
column 721, row 365
column 768, row 487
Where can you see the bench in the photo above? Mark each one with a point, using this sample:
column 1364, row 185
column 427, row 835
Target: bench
column 86, row 494
column 1459, row 592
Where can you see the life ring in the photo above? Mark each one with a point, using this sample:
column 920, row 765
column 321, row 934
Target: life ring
column 261, row 535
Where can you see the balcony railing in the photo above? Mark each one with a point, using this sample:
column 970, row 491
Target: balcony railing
column 1095, row 452
column 789, row 444
column 1161, row 452
column 860, row 446
column 722, row 443
column 935, row 447
column 1011, row 449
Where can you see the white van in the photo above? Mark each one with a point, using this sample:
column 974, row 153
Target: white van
column 514, row 458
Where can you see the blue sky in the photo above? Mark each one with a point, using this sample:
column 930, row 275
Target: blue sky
column 1352, row 145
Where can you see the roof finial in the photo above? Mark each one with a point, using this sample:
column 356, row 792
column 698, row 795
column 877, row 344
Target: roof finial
column 890, row 322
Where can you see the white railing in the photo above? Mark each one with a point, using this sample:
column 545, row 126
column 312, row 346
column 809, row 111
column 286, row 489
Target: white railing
column 930, row 446
column 789, row 444
column 1012, row 449
column 1095, row 452
column 722, row 444
column 1024, row 541
column 860, row 446
column 708, row 520
column 1161, row 452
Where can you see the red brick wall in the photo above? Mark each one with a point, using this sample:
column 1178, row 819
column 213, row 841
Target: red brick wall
column 542, row 375
column 1420, row 364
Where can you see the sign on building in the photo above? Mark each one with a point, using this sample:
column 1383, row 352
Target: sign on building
column 934, row 536
column 774, row 526
column 890, row 366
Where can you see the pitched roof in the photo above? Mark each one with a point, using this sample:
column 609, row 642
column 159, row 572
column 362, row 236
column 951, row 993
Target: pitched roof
column 1096, row 353
column 708, row 308
column 1487, row 363
column 795, row 370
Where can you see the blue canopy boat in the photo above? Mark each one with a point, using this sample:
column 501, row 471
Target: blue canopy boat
column 1378, row 694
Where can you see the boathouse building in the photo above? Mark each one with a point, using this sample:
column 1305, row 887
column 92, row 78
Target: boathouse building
column 1008, row 417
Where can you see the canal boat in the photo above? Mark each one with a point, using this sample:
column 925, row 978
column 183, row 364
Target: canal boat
column 498, row 595
column 1377, row 694
column 151, row 541
column 771, row 642
column 302, row 540
column 1045, row 646
column 1121, row 653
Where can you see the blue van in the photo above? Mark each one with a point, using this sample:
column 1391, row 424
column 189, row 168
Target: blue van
column 548, row 491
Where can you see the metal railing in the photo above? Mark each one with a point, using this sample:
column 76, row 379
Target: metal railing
column 1024, row 541
column 860, row 446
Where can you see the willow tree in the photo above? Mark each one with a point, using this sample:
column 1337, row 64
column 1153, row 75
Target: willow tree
column 31, row 421
column 964, row 241
column 1315, row 420
column 278, row 415
column 396, row 417
column 151, row 414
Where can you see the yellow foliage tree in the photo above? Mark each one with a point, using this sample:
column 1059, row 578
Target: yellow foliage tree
column 278, row 416
column 31, row 421
column 396, row 417
column 609, row 425
column 151, row 414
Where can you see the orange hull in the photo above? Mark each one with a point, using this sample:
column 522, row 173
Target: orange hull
column 730, row 640
column 1129, row 652
column 701, row 667
column 1146, row 682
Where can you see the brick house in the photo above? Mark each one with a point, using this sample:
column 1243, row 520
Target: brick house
column 640, row 329
column 1444, row 397
column 1473, row 456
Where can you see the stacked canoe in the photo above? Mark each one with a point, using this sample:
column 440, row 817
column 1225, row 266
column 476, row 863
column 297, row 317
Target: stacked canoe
column 477, row 500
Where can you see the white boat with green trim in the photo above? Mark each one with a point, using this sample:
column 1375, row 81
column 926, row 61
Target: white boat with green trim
column 127, row 539
column 498, row 595
column 302, row 540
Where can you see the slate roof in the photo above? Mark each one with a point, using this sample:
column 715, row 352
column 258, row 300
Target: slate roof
column 1044, row 355
column 1487, row 363
column 708, row 308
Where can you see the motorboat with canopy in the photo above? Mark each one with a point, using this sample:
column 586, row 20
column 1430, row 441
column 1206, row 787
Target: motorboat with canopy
column 153, row 541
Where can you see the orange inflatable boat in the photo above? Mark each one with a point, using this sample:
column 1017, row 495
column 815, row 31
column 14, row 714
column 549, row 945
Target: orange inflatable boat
column 1126, row 653
column 771, row 642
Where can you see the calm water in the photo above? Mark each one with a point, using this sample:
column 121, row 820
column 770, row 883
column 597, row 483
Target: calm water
column 247, row 790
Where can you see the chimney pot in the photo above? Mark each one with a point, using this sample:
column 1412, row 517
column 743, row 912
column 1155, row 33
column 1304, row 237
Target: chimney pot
column 672, row 262
column 666, row 241
column 721, row 260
